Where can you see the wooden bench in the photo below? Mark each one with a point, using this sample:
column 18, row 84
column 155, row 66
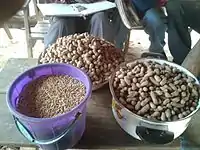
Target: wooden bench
column 102, row 131
column 7, row 30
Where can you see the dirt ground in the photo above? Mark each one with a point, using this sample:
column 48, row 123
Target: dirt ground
column 16, row 48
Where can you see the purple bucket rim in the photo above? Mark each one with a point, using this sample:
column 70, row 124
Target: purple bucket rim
column 20, row 115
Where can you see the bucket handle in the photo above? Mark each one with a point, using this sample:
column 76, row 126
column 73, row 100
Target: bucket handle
column 26, row 133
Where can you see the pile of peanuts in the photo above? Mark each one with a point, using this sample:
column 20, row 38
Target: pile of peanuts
column 96, row 56
column 49, row 96
column 155, row 91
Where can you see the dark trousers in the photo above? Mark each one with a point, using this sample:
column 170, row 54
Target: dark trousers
column 181, row 15
column 107, row 25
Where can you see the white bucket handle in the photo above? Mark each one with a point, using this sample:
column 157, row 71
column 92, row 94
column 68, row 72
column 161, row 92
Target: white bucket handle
column 27, row 134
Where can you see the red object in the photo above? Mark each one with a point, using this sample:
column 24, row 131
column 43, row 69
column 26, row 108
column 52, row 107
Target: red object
column 162, row 3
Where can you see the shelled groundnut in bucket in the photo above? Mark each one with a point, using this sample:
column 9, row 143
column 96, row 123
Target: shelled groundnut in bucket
column 154, row 100
column 58, row 132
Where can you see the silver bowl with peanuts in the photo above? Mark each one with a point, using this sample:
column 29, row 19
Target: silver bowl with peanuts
column 96, row 56
column 153, row 99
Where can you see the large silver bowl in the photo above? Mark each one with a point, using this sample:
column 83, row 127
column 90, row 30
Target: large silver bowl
column 159, row 132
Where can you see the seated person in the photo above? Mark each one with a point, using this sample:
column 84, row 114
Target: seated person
column 107, row 25
column 150, row 13
column 181, row 15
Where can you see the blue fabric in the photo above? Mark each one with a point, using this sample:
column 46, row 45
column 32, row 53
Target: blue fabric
column 185, row 144
column 152, row 22
column 154, row 26
column 143, row 5
column 100, row 26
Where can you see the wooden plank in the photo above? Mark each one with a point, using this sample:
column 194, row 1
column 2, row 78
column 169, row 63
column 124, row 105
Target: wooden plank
column 8, row 131
column 38, row 36
column 12, row 69
column 41, row 27
column 102, row 131
column 27, row 31
column 39, row 30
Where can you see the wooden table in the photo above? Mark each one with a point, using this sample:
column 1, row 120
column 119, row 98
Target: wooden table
column 102, row 131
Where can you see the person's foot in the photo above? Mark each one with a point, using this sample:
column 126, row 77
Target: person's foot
column 177, row 62
column 154, row 55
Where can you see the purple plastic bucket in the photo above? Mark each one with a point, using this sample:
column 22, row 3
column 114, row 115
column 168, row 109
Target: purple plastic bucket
column 56, row 133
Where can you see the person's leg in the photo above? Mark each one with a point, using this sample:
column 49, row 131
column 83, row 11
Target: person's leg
column 100, row 26
column 59, row 27
column 82, row 24
column 191, row 11
column 108, row 25
column 178, row 49
column 178, row 35
column 181, row 15
column 155, row 27
column 120, row 30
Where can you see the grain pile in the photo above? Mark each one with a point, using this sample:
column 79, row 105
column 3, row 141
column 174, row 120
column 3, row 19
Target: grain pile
column 96, row 56
column 49, row 96
column 154, row 91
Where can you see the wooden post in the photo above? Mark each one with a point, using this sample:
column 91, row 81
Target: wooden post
column 7, row 30
column 29, row 42
column 126, row 45
column 192, row 61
